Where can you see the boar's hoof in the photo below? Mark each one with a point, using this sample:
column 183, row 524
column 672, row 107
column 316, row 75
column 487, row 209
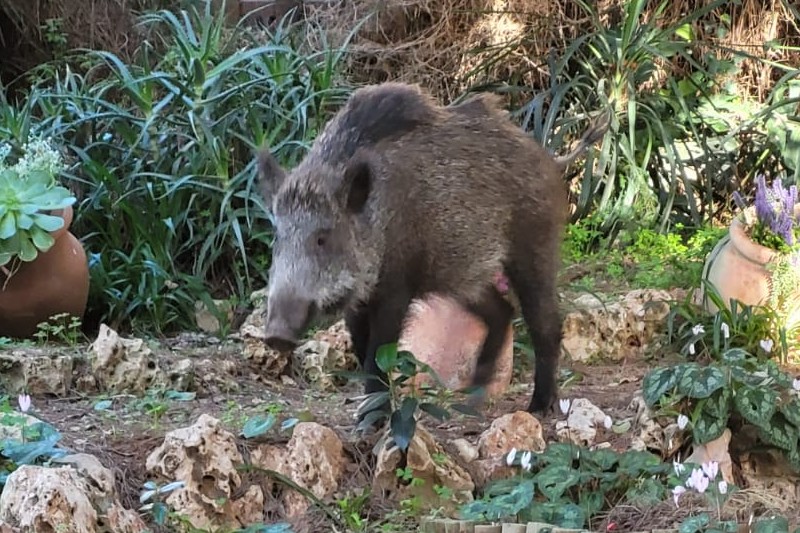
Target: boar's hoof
column 542, row 405
column 281, row 343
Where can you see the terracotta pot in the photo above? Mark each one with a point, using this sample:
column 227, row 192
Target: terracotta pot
column 57, row 281
column 447, row 337
column 737, row 267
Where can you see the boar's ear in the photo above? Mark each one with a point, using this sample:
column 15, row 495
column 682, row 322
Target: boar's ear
column 356, row 183
column 270, row 174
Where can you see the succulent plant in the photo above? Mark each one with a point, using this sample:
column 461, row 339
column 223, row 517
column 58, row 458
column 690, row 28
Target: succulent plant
column 28, row 192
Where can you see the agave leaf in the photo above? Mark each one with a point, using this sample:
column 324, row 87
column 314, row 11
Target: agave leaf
column 8, row 226
column 27, row 251
column 42, row 239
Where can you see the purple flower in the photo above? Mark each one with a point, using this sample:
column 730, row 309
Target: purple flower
column 775, row 208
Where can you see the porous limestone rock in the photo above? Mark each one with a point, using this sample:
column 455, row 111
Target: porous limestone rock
column 269, row 362
column 519, row 430
column 77, row 498
column 204, row 456
column 618, row 329
column 36, row 372
column 427, row 461
column 581, row 424
column 318, row 361
column 313, row 458
column 123, row 365
column 662, row 435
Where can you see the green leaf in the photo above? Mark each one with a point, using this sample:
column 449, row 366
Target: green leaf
column 735, row 356
column 102, row 405
column 646, row 492
column 258, row 425
column 778, row 432
column 42, row 240
column 773, row 524
column 560, row 514
column 289, row 423
column 756, row 404
column 8, row 226
column 48, row 222
column 501, row 501
column 435, row 410
column 635, row 463
column 603, row 458
column 656, row 383
column 403, row 424
column 27, row 251
column 685, row 32
column 591, row 502
column 695, row 524
column 553, row 480
column 386, row 357
column 465, row 409
column 701, row 382
column 180, row 396
column 791, row 410
column 26, row 453
column 711, row 422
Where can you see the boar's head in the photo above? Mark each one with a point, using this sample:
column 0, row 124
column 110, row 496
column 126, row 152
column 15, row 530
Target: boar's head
column 319, row 258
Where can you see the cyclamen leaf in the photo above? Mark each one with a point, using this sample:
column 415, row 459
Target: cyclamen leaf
column 773, row 524
column 695, row 523
column 701, row 382
column 560, row 514
column 708, row 427
column 791, row 410
column 778, row 432
column 656, row 383
column 258, row 425
column 554, row 480
column 756, row 404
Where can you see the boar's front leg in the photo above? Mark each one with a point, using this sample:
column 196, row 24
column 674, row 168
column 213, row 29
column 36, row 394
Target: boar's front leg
column 386, row 319
column 357, row 322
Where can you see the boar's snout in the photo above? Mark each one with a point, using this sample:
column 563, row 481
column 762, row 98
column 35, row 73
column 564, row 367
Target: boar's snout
column 287, row 316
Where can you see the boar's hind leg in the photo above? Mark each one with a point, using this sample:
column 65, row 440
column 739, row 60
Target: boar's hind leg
column 532, row 273
column 496, row 312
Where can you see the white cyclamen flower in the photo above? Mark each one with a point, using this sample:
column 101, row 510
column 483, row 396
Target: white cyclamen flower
column 678, row 468
column 766, row 345
column 726, row 331
column 510, row 456
column 698, row 329
column 723, row 487
column 607, row 422
column 698, row 481
column 564, row 405
column 525, row 461
column 796, row 385
column 676, row 493
column 683, row 420
column 691, row 349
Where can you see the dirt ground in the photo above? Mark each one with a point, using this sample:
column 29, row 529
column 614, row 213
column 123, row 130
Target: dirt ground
column 127, row 431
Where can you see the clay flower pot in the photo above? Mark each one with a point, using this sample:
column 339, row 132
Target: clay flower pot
column 738, row 267
column 447, row 337
column 57, row 281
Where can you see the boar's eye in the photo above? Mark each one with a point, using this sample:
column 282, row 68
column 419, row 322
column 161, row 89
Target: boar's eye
column 321, row 237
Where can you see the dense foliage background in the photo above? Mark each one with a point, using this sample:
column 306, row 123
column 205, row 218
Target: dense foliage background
column 160, row 131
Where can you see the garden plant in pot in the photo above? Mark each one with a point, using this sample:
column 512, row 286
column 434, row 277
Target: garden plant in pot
column 43, row 267
column 758, row 261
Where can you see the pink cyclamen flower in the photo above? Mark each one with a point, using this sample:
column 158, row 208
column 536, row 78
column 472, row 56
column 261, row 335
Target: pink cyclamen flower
column 698, row 481
column 711, row 469
column 676, row 493
column 24, row 402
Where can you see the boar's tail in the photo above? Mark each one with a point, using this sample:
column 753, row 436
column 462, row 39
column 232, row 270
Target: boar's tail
column 594, row 133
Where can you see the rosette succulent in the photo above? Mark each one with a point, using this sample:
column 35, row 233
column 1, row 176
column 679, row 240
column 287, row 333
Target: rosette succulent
column 28, row 192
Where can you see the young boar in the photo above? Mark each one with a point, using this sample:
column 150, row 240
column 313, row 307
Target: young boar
column 399, row 197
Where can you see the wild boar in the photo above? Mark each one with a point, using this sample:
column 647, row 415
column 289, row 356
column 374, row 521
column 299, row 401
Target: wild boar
column 400, row 197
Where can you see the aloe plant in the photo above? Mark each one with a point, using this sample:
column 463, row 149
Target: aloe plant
column 28, row 191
